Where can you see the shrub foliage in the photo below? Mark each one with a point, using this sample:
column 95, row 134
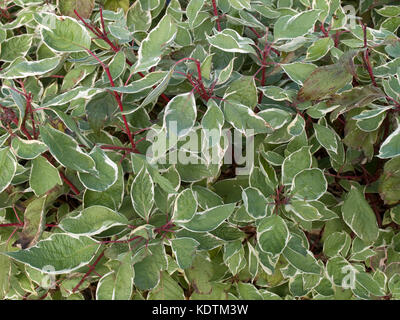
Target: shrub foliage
column 311, row 89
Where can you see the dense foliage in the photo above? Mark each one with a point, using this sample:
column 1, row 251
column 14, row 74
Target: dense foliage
column 309, row 90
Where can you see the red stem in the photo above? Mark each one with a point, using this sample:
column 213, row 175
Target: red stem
column 69, row 183
column 28, row 98
column 16, row 215
column 110, row 147
column 265, row 54
column 91, row 269
column 102, row 21
column 99, row 33
column 122, row 241
column 51, row 225
column 29, row 137
column 10, row 225
column 96, row 32
column 197, row 62
column 366, row 57
column 369, row 67
column 103, row 36
column 117, row 97
column 255, row 32
column 196, row 83
column 214, row 3
column 326, row 34
column 162, row 94
column 336, row 39
column 21, row 225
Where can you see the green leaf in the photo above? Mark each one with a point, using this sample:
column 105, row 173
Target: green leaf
column 83, row 7
column 180, row 114
column 299, row 72
column 272, row 235
column 234, row 256
column 200, row 274
column 185, row 206
column 390, row 148
column 5, row 266
column 100, row 109
column 244, row 119
column 8, row 167
column 117, row 284
column 44, row 176
column 213, row 121
column 93, row 220
column 389, row 11
column 300, row 258
column 64, row 34
column 371, row 124
column 72, row 95
column 30, row 68
column 70, row 123
column 152, row 48
column 319, row 49
column 240, row 4
column 297, row 126
column 357, row 97
column 366, row 281
column 230, row 41
column 66, row 150
column 343, row 273
column 327, row 80
column 106, row 172
column 389, row 182
column 278, row 94
column 137, row 18
column 150, row 80
column 34, row 224
column 359, row 216
column 304, row 210
column 62, row 252
column 209, row 219
column 243, row 91
column 111, row 198
column 294, row 163
column 184, row 250
column 337, row 243
column 326, row 214
column 192, row 11
column 138, row 161
column 290, row 27
column 167, row 289
column 27, row 149
column 225, row 74
column 260, row 180
column 116, row 4
column 154, row 94
column 309, row 184
column 254, row 202
column 326, row 137
column 147, row 271
column 142, row 193
column 206, row 198
column 276, row 118
column 15, row 47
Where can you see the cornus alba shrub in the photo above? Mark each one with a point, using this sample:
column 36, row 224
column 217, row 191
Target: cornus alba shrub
column 202, row 149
